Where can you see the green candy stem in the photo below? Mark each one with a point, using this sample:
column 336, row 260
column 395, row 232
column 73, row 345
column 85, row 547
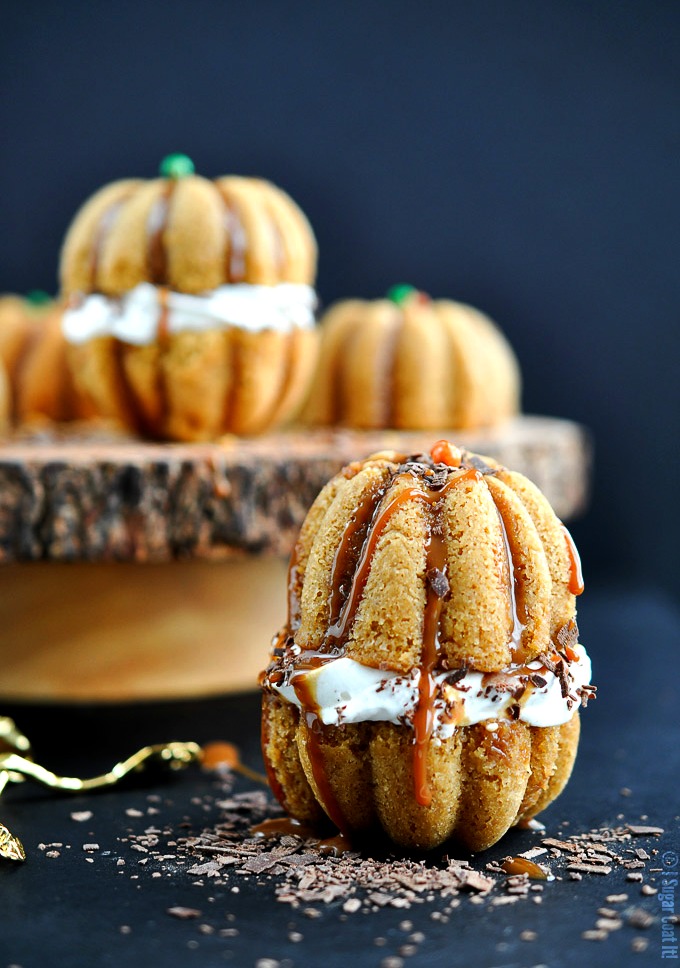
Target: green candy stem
column 176, row 166
column 36, row 297
column 400, row 293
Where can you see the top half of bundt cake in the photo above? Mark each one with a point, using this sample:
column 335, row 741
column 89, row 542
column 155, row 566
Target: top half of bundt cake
column 445, row 558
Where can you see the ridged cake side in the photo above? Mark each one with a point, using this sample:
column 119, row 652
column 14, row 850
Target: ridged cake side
column 374, row 354
column 506, row 553
column 34, row 354
column 189, row 234
column 361, row 776
column 196, row 386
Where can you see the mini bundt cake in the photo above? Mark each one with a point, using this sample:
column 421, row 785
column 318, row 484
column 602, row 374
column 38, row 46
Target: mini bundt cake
column 374, row 354
column 33, row 351
column 428, row 677
column 191, row 303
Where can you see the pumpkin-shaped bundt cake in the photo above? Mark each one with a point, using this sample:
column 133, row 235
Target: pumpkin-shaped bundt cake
column 191, row 303
column 429, row 675
column 375, row 354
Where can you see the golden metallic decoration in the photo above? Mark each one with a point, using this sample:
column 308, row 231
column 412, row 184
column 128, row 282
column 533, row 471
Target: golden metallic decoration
column 11, row 847
column 16, row 765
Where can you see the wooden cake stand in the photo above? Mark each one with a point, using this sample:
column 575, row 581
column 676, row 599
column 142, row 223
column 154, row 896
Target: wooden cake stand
column 138, row 571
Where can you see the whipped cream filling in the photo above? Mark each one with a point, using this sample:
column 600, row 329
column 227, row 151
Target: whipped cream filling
column 135, row 317
column 345, row 691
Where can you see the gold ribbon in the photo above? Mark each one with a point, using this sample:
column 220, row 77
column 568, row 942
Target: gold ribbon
column 17, row 765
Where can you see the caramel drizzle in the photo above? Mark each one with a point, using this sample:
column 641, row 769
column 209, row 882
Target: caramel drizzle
column 516, row 588
column 235, row 265
column 313, row 728
column 156, row 227
column 340, row 627
column 423, row 717
column 294, row 616
column 354, row 553
column 387, row 363
column 280, row 252
column 104, row 226
column 575, row 571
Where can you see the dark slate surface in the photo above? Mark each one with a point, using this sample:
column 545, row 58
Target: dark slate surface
column 67, row 912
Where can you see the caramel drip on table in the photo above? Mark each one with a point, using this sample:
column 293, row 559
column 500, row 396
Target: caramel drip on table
column 287, row 826
column 521, row 865
column 575, row 572
column 156, row 226
column 282, row 826
column 516, row 589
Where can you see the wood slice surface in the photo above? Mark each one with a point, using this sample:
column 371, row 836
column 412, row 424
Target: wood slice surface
column 122, row 631
column 93, row 499
column 146, row 571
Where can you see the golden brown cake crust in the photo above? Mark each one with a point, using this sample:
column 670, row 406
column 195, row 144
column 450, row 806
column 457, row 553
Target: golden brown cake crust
column 33, row 353
column 482, row 782
column 501, row 557
column 441, row 561
column 190, row 234
column 419, row 364
column 196, row 386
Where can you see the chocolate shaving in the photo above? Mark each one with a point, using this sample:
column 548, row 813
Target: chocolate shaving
column 473, row 460
column 438, row 582
column 537, row 680
column 563, row 676
column 567, row 635
column 589, row 868
column 586, row 694
column 184, row 913
column 639, row 918
column 546, row 661
column 456, row 675
column 438, row 479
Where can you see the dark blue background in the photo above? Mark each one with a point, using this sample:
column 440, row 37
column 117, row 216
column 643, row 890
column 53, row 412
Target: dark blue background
column 520, row 156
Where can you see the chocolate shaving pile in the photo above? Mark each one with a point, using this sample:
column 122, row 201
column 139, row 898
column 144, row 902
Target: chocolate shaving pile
column 302, row 874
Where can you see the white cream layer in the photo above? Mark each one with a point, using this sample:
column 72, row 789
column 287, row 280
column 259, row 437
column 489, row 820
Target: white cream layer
column 135, row 317
column 344, row 691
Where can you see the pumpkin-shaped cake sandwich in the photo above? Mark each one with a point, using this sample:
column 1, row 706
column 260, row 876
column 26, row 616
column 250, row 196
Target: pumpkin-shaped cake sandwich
column 428, row 678
column 191, row 303
column 34, row 355
column 375, row 354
